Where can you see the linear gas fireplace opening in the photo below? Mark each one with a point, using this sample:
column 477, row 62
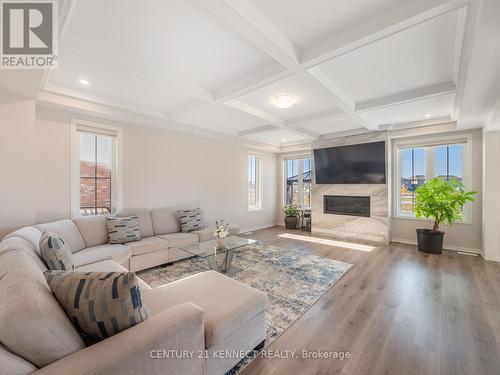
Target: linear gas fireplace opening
column 346, row 205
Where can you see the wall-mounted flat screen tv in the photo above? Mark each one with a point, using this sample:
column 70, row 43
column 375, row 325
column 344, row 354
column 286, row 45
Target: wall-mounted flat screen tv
column 354, row 164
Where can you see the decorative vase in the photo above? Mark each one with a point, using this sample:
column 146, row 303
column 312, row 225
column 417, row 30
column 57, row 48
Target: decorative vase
column 220, row 243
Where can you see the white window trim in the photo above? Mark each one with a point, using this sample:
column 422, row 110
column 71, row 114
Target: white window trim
column 300, row 182
column 80, row 126
column 259, row 184
column 435, row 141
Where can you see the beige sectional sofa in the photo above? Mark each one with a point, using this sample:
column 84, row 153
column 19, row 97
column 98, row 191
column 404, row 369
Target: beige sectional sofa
column 191, row 321
column 87, row 238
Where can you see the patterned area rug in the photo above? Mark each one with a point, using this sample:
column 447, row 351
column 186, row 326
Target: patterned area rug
column 292, row 279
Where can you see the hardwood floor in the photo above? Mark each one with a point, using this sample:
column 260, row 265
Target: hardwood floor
column 397, row 311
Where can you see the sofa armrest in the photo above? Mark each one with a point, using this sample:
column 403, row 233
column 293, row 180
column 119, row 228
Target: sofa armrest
column 167, row 343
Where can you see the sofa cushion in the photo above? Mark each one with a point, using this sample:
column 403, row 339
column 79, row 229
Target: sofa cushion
column 165, row 221
column 93, row 229
column 190, row 219
column 145, row 222
column 111, row 266
column 180, row 239
column 14, row 365
column 118, row 253
column 123, row 229
column 19, row 244
column 207, row 234
column 55, row 253
column 148, row 245
column 227, row 303
column 30, row 234
column 100, row 304
column 32, row 323
column 67, row 230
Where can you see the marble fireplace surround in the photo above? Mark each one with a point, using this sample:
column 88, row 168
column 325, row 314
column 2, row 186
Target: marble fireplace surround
column 374, row 228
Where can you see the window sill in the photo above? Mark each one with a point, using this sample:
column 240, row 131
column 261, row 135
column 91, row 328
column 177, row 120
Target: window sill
column 466, row 221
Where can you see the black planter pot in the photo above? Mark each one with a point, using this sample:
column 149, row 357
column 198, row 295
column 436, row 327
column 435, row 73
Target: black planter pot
column 429, row 242
column 291, row 222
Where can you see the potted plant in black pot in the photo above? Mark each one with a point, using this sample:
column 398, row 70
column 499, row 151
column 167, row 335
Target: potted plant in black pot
column 291, row 217
column 442, row 201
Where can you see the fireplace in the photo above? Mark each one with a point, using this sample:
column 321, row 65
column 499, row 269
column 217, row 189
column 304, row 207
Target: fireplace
column 346, row 205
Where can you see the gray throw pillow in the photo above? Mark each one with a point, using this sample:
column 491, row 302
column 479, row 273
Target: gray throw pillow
column 190, row 220
column 100, row 304
column 55, row 252
column 123, row 229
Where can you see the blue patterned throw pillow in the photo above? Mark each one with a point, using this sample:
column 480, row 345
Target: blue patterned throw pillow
column 55, row 252
column 100, row 304
column 123, row 229
column 190, row 220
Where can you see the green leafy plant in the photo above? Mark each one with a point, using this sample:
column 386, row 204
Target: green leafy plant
column 291, row 211
column 442, row 201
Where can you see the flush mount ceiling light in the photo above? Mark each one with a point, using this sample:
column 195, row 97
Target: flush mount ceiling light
column 84, row 82
column 428, row 115
column 284, row 100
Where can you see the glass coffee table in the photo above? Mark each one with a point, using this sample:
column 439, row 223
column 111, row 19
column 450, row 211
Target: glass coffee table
column 210, row 249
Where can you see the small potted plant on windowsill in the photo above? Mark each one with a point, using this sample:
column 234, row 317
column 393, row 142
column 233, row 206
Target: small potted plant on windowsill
column 442, row 201
column 291, row 217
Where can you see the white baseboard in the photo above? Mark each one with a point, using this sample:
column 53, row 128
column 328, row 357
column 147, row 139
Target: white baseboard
column 252, row 229
column 445, row 246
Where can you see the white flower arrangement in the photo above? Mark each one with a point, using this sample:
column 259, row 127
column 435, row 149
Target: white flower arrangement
column 221, row 229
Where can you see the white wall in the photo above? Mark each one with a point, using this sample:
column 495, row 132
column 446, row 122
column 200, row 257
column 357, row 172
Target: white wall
column 491, row 193
column 160, row 168
column 466, row 237
column 17, row 168
column 168, row 169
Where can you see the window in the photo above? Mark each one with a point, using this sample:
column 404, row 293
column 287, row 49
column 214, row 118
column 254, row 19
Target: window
column 297, row 182
column 96, row 163
column 254, row 182
column 94, row 169
column 419, row 163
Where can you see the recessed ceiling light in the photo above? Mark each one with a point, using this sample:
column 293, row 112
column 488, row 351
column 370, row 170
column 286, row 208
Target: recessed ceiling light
column 428, row 115
column 84, row 82
column 284, row 140
column 284, row 100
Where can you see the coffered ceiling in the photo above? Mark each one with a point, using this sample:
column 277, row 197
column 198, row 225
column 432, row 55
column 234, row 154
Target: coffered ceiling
column 215, row 64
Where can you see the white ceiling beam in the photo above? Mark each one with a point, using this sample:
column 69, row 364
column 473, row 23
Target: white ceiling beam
column 466, row 31
column 374, row 27
column 439, row 89
column 260, row 129
column 250, row 82
column 65, row 12
column 309, row 133
column 315, row 118
column 81, row 48
column 275, row 121
column 417, row 124
column 251, row 24
column 91, row 111
column 256, row 112
column 340, row 41
column 244, row 17
column 345, row 133
column 61, row 92
column 335, row 95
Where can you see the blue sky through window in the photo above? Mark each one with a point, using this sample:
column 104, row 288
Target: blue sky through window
column 448, row 160
column 411, row 168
